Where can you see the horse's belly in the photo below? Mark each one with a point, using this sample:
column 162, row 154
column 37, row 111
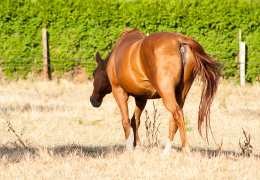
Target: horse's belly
column 141, row 88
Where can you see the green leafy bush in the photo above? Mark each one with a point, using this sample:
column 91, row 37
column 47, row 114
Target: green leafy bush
column 79, row 28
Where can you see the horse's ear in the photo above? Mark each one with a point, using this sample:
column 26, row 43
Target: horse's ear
column 108, row 56
column 98, row 58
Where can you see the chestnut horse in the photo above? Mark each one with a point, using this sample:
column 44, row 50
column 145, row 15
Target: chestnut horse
column 161, row 65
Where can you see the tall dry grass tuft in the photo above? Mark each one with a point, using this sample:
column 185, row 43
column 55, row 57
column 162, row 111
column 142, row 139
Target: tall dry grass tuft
column 152, row 128
column 10, row 128
column 245, row 146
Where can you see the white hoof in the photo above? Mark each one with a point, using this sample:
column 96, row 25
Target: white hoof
column 167, row 149
column 130, row 141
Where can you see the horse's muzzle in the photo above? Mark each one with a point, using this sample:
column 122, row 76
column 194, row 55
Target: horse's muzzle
column 94, row 102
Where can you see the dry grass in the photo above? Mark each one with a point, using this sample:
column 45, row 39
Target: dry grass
column 66, row 138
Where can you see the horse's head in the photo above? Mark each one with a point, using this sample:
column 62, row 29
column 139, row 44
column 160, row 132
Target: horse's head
column 101, row 82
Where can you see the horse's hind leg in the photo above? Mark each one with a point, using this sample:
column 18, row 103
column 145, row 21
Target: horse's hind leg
column 177, row 120
column 181, row 93
column 187, row 78
column 184, row 86
column 135, row 120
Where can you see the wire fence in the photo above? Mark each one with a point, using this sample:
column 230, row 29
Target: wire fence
column 82, row 61
column 56, row 64
column 69, row 64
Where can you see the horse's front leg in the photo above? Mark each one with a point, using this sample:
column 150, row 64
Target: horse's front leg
column 121, row 98
column 135, row 120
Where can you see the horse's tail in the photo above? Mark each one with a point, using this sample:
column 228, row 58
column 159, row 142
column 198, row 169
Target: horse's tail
column 209, row 71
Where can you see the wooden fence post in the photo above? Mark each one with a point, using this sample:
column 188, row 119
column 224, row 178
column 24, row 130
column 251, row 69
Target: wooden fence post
column 242, row 60
column 46, row 59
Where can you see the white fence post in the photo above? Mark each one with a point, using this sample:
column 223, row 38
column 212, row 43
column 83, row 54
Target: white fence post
column 242, row 60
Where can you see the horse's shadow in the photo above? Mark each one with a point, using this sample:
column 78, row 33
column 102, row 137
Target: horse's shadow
column 17, row 153
column 207, row 152
column 90, row 151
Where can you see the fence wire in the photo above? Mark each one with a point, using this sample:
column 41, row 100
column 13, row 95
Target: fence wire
column 54, row 63
column 64, row 64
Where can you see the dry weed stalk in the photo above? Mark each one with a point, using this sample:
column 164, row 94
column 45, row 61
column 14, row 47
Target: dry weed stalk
column 12, row 130
column 152, row 128
column 219, row 149
column 246, row 147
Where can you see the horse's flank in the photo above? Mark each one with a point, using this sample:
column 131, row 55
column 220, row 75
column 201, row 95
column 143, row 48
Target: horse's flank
column 125, row 66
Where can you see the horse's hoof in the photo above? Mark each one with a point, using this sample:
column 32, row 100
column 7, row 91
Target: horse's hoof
column 167, row 149
column 186, row 150
column 166, row 153
column 138, row 148
column 129, row 148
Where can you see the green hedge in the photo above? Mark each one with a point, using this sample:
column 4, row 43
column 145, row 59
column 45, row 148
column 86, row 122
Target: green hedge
column 79, row 28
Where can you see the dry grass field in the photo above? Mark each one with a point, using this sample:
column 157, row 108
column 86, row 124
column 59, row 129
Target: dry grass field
column 66, row 138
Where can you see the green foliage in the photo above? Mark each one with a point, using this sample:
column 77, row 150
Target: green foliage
column 79, row 28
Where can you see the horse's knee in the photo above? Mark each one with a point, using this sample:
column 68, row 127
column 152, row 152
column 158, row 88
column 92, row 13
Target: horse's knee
column 125, row 123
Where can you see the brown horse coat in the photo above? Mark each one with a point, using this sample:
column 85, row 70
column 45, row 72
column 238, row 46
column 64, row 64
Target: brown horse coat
column 161, row 65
